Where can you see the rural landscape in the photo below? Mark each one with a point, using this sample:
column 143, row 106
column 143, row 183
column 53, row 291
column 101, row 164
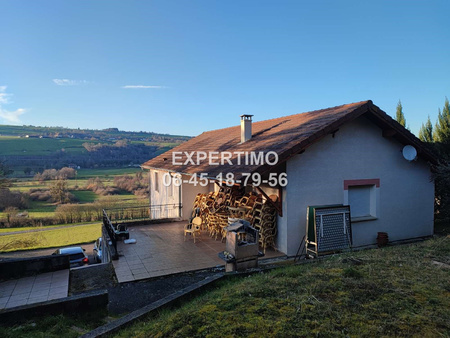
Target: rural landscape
column 62, row 206
column 52, row 177
column 224, row 169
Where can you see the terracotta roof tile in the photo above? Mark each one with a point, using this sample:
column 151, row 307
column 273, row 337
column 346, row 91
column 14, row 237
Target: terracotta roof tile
column 286, row 136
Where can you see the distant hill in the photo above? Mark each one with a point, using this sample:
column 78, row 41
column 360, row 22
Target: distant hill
column 30, row 149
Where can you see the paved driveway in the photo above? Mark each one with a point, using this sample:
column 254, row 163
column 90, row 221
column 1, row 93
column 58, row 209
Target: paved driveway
column 34, row 289
column 42, row 252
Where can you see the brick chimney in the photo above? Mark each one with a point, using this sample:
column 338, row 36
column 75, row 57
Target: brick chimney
column 246, row 128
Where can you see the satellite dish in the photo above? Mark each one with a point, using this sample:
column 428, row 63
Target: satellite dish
column 409, row 153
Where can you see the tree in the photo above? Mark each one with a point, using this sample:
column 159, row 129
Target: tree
column 426, row 131
column 59, row 191
column 399, row 116
column 442, row 128
column 441, row 176
column 4, row 171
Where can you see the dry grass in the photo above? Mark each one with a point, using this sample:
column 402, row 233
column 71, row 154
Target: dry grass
column 395, row 291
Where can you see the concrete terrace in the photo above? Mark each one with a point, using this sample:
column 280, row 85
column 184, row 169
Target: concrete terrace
column 160, row 250
column 34, row 289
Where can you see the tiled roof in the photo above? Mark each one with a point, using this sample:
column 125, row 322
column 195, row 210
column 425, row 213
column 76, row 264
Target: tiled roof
column 287, row 136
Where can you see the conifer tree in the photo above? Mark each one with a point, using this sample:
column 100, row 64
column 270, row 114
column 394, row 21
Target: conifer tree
column 442, row 128
column 399, row 116
column 426, row 131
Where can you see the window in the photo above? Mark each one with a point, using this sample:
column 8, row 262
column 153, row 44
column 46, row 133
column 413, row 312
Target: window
column 156, row 181
column 363, row 198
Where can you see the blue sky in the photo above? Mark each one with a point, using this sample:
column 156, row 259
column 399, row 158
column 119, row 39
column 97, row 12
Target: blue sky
column 184, row 67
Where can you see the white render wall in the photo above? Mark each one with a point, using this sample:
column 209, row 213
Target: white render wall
column 189, row 191
column 161, row 203
column 358, row 151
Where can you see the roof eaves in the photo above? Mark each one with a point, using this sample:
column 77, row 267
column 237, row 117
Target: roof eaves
column 403, row 135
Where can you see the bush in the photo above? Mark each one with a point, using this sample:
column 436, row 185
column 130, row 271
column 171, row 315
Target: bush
column 60, row 194
column 136, row 184
column 39, row 195
column 12, row 199
column 18, row 219
column 89, row 212
column 53, row 174
column 66, row 173
column 96, row 185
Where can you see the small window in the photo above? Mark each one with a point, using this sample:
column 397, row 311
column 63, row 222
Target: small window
column 156, row 181
column 362, row 196
column 360, row 200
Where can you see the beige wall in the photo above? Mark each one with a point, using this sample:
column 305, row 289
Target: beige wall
column 358, row 151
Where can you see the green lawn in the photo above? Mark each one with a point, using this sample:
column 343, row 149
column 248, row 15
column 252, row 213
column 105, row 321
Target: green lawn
column 85, row 196
column 47, row 227
column 105, row 173
column 40, row 146
column 37, row 209
column 70, row 325
column 51, row 238
column 389, row 292
column 24, row 185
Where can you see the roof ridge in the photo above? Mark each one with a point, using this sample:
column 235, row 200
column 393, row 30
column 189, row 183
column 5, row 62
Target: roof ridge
column 360, row 103
column 288, row 136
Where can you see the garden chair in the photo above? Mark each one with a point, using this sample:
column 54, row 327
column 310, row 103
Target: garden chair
column 193, row 228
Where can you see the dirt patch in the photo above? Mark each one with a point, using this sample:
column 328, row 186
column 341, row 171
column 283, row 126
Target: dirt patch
column 92, row 277
column 131, row 296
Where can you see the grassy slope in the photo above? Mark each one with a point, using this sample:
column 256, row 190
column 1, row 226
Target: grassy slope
column 47, row 227
column 396, row 291
column 40, row 147
column 55, row 326
column 92, row 173
column 50, row 238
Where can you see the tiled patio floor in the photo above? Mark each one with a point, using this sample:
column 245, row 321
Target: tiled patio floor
column 160, row 250
column 34, row 289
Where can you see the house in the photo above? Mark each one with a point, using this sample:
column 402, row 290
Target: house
column 352, row 154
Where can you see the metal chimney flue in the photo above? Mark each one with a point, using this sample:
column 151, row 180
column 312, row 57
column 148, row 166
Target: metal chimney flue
column 246, row 128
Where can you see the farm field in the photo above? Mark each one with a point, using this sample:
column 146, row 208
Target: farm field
column 42, row 209
column 28, row 150
column 40, row 146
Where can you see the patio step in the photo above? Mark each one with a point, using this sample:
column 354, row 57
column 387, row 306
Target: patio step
column 128, row 319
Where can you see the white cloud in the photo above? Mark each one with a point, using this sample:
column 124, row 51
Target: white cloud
column 67, row 82
column 12, row 116
column 4, row 97
column 9, row 116
column 143, row 87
